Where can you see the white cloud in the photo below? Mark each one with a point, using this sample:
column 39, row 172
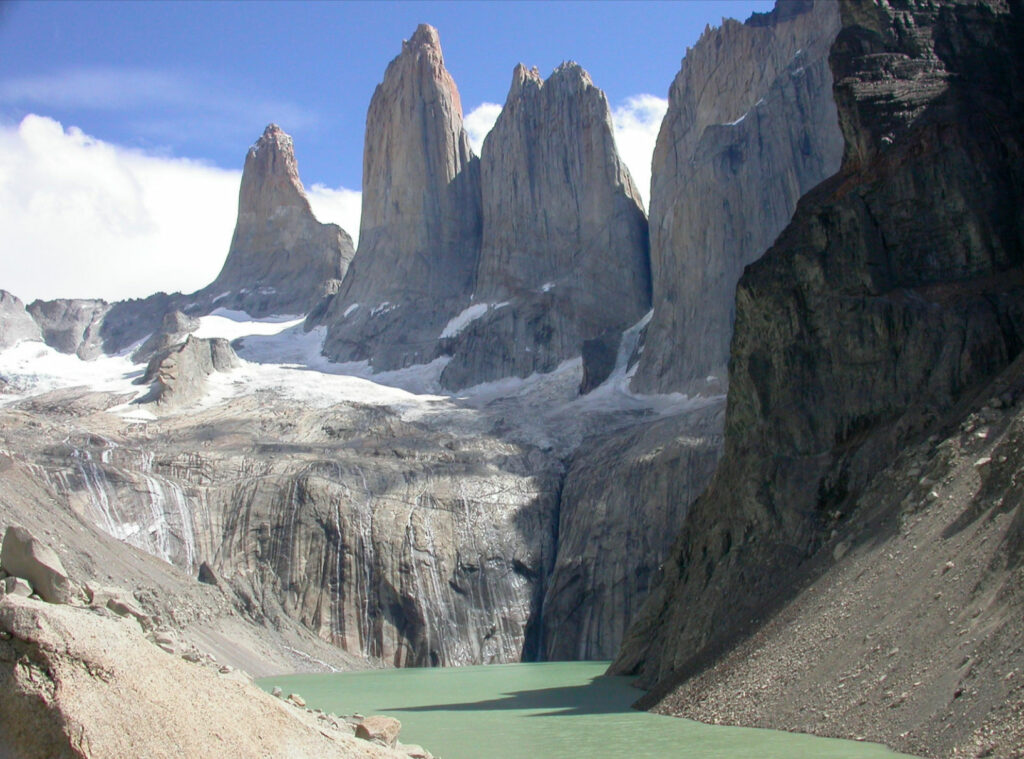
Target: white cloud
column 478, row 123
column 637, row 122
column 340, row 206
column 88, row 219
column 84, row 218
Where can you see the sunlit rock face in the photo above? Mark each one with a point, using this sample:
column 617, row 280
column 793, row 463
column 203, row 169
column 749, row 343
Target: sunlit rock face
column 418, row 543
column 419, row 235
column 751, row 126
column 280, row 256
column 564, row 254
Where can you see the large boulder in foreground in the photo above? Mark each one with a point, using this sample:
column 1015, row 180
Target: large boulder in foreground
column 74, row 683
column 22, row 555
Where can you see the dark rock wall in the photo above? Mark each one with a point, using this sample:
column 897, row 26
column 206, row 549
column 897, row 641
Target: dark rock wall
column 894, row 294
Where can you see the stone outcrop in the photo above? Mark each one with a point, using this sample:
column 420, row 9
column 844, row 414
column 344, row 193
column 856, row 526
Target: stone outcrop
column 174, row 329
column 625, row 497
column 891, row 300
column 75, row 683
column 178, row 374
column 564, row 245
column 419, row 234
column 71, row 326
column 15, row 322
column 751, row 126
column 280, row 255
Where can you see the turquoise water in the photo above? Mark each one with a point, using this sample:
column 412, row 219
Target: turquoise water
column 556, row 710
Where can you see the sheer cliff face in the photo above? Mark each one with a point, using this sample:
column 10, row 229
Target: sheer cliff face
column 281, row 258
column 419, row 238
column 894, row 295
column 751, row 127
column 404, row 541
column 564, row 233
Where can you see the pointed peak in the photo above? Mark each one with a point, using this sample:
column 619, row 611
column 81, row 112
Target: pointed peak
column 571, row 70
column 425, row 36
column 521, row 76
column 274, row 137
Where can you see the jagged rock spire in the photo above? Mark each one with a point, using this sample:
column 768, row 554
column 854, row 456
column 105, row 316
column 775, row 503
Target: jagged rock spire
column 280, row 256
column 420, row 228
column 564, row 232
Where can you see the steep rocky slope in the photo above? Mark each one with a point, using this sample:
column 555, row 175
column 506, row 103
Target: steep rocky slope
column 15, row 322
column 281, row 259
column 890, row 302
column 751, row 126
column 419, row 234
column 564, row 251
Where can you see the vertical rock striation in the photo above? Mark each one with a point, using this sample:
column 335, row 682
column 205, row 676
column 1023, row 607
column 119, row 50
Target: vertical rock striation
column 625, row 496
column 894, row 295
column 281, row 258
column 419, row 237
column 751, row 126
column 564, row 247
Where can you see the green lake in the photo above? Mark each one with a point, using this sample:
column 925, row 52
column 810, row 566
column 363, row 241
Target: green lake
column 552, row 710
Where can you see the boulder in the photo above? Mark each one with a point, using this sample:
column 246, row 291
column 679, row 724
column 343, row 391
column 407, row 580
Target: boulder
column 25, row 556
column 74, row 683
column 381, row 729
column 15, row 586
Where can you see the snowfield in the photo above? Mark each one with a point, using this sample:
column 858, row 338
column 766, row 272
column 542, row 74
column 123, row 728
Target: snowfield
column 280, row 358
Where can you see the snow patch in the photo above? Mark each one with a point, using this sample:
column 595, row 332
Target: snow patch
column 383, row 308
column 468, row 315
column 350, row 309
column 232, row 325
column 31, row 367
column 547, row 287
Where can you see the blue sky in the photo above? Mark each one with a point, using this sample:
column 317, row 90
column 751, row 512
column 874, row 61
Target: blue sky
column 193, row 84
